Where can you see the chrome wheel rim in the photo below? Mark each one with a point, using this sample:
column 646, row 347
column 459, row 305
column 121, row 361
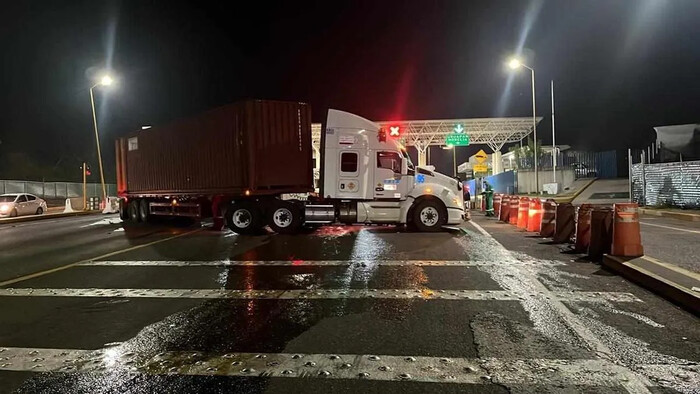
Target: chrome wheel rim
column 429, row 216
column 242, row 218
column 282, row 217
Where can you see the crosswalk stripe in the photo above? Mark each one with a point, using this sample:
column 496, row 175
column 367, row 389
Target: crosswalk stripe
column 486, row 295
column 549, row 372
column 278, row 263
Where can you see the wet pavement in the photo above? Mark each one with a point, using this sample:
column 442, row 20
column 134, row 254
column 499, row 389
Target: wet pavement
column 92, row 306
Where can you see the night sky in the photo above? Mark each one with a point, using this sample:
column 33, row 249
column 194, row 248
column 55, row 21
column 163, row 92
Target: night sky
column 620, row 66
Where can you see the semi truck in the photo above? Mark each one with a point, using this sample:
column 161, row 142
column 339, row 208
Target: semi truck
column 249, row 165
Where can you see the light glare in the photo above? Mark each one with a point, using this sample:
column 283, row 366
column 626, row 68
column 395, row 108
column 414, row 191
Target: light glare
column 514, row 63
column 106, row 80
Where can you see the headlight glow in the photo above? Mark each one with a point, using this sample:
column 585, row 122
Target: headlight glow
column 4, row 208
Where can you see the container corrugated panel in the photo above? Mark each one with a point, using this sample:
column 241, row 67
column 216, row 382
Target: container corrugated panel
column 667, row 184
column 256, row 145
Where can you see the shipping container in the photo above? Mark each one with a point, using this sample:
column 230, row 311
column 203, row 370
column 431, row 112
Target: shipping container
column 253, row 147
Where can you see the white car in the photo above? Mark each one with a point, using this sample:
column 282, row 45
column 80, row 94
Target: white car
column 17, row 204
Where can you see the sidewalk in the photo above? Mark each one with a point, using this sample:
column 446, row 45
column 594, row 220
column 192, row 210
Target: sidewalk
column 691, row 215
column 670, row 266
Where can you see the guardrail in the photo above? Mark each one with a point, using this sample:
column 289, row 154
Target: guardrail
column 55, row 190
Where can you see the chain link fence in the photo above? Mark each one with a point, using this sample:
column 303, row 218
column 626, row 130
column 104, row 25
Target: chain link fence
column 667, row 184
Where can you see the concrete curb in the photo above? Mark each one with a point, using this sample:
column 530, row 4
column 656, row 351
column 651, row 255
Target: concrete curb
column 31, row 218
column 690, row 217
column 671, row 282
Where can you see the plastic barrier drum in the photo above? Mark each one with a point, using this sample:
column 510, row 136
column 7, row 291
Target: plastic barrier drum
column 504, row 213
column 627, row 239
column 549, row 217
column 523, row 209
column 497, row 204
column 601, row 232
column 534, row 213
column 565, row 223
column 583, row 228
column 514, row 206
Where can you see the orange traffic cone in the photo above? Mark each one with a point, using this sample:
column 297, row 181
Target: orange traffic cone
column 627, row 237
column 583, row 228
column 514, row 207
column 534, row 220
column 522, row 212
column 549, row 215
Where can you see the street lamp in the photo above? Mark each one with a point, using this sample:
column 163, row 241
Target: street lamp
column 104, row 81
column 513, row 64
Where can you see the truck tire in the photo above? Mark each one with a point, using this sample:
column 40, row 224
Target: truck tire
column 244, row 218
column 284, row 217
column 144, row 213
column 123, row 210
column 429, row 215
column 133, row 211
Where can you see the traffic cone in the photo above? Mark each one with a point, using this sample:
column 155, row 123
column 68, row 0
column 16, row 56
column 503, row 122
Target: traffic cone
column 549, row 217
column 583, row 228
column 565, row 223
column 627, row 238
column 534, row 213
column 523, row 209
column 514, row 206
column 504, row 213
column 601, row 232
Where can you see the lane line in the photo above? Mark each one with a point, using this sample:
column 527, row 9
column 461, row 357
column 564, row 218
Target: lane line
column 671, row 228
column 636, row 383
column 294, row 263
column 428, row 294
column 104, row 256
column 484, row 371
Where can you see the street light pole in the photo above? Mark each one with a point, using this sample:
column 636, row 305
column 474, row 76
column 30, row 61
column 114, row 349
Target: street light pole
column 97, row 140
column 534, row 130
column 104, row 81
column 554, row 144
column 513, row 64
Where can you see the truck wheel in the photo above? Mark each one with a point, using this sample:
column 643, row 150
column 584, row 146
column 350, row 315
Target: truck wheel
column 429, row 216
column 284, row 217
column 133, row 209
column 144, row 213
column 123, row 210
column 244, row 218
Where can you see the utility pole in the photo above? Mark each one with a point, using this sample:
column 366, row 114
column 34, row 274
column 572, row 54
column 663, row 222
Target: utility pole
column 554, row 143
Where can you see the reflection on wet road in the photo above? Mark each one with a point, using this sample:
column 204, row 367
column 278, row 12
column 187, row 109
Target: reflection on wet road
column 337, row 309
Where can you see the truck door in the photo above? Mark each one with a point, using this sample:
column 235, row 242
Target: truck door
column 389, row 182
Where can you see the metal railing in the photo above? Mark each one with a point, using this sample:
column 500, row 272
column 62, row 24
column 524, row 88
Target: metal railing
column 55, row 190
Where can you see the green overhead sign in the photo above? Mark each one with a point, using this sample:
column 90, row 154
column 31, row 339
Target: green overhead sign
column 457, row 139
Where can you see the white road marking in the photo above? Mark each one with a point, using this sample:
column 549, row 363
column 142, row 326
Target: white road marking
column 486, row 295
column 293, row 263
column 548, row 372
column 636, row 383
column 671, row 228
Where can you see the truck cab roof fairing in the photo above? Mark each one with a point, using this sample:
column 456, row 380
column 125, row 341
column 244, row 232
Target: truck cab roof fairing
column 345, row 120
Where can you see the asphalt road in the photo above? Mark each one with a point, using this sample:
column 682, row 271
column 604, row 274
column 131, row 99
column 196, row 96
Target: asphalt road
column 89, row 305
column 671, row 240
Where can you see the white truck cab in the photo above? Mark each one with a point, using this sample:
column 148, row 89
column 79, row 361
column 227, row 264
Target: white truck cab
column 368, row 177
